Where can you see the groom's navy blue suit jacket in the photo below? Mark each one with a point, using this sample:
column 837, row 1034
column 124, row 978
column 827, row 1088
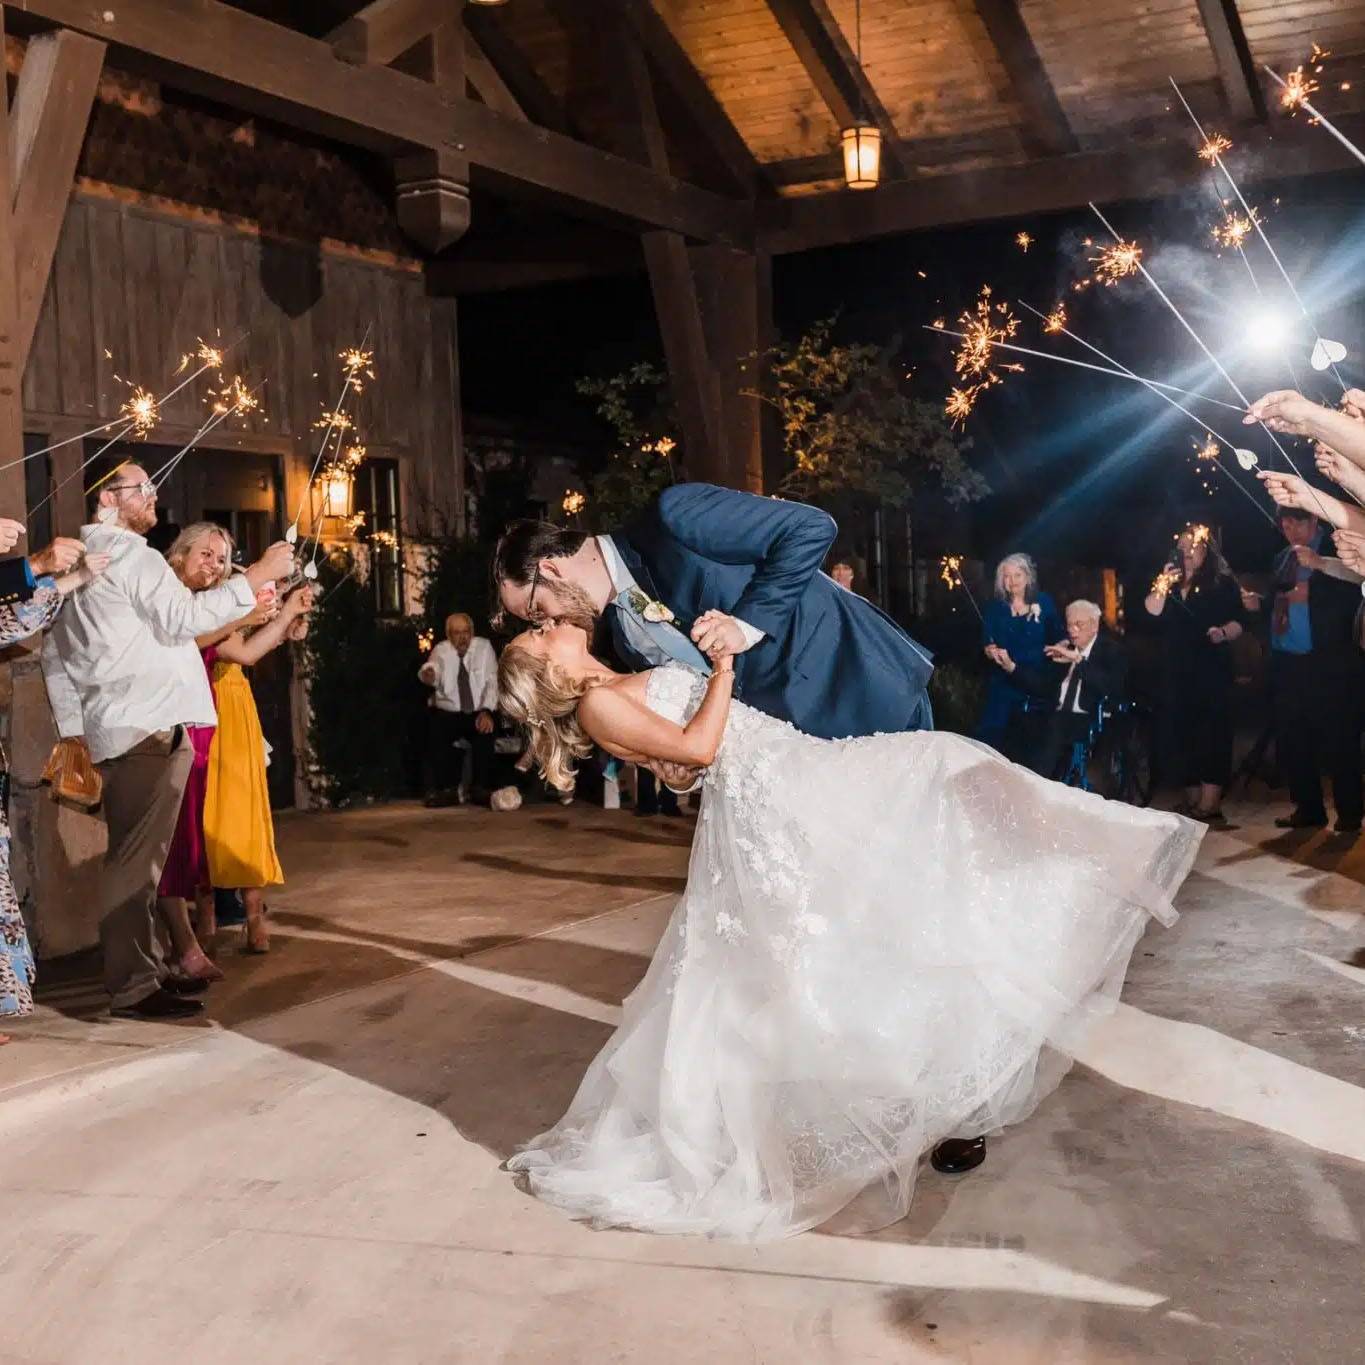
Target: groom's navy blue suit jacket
column 830, row 662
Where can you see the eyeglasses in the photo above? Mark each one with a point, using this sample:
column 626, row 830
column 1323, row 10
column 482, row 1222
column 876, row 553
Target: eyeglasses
column 531, row 596
column 147, row 488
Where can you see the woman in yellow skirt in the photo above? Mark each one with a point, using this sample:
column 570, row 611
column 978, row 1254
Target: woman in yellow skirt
column 238, row 831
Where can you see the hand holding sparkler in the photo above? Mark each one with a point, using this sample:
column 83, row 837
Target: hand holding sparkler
column 90, row 569
column 10, row 533
column 1340, row 470
column 58, row 557
column 275, row 564
column 1351, row 549
column 1000, row 658
column 1289, row 490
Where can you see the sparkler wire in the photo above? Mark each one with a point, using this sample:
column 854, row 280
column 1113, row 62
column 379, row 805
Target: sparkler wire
column 1340, row 137
column 1180, row 407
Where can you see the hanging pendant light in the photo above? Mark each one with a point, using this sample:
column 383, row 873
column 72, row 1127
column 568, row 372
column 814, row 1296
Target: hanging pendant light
column 862, row 140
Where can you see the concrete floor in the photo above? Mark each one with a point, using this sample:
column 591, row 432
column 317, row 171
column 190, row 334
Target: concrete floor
column 313, row 1174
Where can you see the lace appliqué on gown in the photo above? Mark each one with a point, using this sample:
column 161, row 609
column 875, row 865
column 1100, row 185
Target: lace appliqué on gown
column 883, row 942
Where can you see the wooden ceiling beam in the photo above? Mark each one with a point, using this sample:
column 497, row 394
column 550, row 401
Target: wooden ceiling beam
column 833, row 67
column 517, row 75
column 1232, row 56
column 1054, row 184
column 263, row 68
column 1045, row 124
column 385, row 29
column 675, row 69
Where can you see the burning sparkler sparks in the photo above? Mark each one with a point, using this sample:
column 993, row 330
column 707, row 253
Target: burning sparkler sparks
column 574, row 502
column 384, row 539
column 950, row 570
column 960, row 402
column 425, row 640
column 142, row 411
column 986, row 325
column 357, row 365
column 1214, row 147
column 209, row 357
column 1233, row 231
column 332, row 419
column 1302, row 81
column 1023, row 240
column 1207, row 449
column 1055, row 321
column 1167, row 579
column 233, row 397
column 1117, row 262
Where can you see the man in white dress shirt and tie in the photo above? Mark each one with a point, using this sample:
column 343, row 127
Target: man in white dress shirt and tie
column 462, row 671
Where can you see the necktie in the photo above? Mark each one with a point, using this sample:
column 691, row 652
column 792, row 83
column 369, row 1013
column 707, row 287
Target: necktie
column 1073, row 687
column 657, row 642
column 462, row 686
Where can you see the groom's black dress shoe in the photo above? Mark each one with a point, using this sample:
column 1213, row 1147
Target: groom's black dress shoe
column 957, row 1156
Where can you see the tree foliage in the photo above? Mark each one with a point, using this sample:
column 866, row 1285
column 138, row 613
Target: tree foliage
column 852, row 428
column 636, row 405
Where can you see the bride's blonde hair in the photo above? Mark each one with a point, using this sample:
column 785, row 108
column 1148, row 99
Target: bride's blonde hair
column 535, row 693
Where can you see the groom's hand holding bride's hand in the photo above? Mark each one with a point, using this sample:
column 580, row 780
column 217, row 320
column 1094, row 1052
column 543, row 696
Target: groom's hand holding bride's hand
column 718, row 636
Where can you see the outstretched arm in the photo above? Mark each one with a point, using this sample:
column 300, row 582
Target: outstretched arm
column 622, row 726
column 786, row 542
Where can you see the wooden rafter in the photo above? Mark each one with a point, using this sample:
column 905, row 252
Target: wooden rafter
column 676, row 70
column 803, row 223
column 262, row 68
column 52, row 102
column 487, row 83
column 385, row 29
column 833, row 67
column 1044, row 120
column 1232, row 56
column 692, row 379
column 517, row 75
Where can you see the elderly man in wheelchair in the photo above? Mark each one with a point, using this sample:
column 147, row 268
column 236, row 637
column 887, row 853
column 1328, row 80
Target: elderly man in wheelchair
column 1078, row 718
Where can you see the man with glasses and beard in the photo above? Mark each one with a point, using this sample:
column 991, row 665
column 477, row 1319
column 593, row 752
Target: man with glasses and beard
column 124, row 674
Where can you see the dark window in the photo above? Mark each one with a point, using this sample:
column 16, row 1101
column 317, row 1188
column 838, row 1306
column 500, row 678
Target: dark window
column 376, row 494
column 37, row 493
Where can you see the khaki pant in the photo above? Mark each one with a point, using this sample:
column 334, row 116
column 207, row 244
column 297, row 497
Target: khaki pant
column 142, row 791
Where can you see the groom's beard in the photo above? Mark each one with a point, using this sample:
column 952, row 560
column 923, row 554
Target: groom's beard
column 574, row 606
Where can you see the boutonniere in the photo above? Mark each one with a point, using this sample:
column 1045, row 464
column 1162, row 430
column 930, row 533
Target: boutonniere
column 1035, row 612
column 657, row 613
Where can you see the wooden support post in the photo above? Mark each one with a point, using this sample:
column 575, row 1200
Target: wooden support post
column 12, row 499
column 52, row 102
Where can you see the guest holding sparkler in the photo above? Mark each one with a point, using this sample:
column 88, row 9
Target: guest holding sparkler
column 1340, row 429
column 1196, row 602
column 239, row 832
column 19, row 620
column 1315, row 676
column 1017, row 625
column 123, row 673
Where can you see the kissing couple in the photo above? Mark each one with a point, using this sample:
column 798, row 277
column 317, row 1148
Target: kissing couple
column 891, row 938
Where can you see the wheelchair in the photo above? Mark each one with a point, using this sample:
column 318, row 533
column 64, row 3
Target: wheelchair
column 1114, row 758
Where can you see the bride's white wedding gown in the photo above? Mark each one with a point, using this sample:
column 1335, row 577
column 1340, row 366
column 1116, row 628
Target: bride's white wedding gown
column 883, row 942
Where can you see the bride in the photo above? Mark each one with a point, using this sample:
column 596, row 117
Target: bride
column 884, row 942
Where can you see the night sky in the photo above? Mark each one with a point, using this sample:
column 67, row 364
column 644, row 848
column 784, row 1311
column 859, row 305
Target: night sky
column 1081, row 466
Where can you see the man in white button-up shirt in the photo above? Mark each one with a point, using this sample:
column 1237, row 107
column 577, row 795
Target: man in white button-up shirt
column 123, row 673
column 463, row 672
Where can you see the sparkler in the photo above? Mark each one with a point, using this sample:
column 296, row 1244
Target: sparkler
column 1023, row 241
column 142, row 411
column 1167, row 579
column 219, row 412
column 355, row 361
column 1117, row 262
column 1233, row 231
column 1207, row 449
column 574, row 503
column 1098, row 369
column 1214, row 438
column 950, row 571
column 1214, row 147
column 1292, row 96
column 1055, row 321
column 1255, row 220
column 986, row 325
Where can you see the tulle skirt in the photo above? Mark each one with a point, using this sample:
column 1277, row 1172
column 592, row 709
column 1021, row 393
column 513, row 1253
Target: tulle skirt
column 884, row 942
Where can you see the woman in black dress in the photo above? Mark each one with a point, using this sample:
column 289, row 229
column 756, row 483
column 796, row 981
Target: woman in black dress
column 1198, row 606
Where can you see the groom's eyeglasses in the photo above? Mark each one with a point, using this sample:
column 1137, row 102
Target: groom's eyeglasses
column 531, row 596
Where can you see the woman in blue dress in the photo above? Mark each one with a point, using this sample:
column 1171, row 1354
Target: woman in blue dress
column 1020, row 620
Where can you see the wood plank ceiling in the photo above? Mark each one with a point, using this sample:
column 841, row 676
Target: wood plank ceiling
column 956, row 76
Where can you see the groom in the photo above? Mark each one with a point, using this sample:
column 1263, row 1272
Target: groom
column 708, row 569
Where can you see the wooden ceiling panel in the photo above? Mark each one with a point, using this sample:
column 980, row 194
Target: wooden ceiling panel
column 754, row 74
column 1110, row 59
